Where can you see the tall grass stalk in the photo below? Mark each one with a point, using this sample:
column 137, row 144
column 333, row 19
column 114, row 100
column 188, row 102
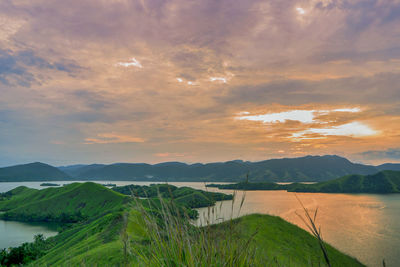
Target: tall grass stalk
column 310, row 222
column 174, row 241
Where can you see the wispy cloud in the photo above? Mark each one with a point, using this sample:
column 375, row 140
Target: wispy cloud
column 132, row 63
column 110, row 138
column 303, row 116
column 219, row 79
column 169, row 155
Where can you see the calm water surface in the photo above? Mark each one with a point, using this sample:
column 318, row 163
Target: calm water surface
column 13, row 234
column 364, row 226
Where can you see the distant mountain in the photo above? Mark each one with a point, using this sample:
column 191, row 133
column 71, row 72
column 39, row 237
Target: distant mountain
column 389, row 166
column 309, row 168
column 32, row 172
column 78, row 169
column 304, row 169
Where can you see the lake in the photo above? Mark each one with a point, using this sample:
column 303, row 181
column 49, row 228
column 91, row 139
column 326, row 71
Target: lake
column 13, row 234
column 365, row 226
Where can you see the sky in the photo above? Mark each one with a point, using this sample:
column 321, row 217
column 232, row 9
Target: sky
column 85, row 81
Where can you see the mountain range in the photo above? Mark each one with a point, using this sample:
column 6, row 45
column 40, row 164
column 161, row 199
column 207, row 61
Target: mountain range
column 309, row 168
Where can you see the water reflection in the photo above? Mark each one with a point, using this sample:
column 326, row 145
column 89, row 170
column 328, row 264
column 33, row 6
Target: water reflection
column 364, row 226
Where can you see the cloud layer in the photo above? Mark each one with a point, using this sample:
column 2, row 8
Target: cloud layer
column 150, row 80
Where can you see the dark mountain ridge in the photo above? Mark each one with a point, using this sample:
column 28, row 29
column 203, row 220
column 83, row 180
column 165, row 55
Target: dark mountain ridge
column 389, row 167
column 36, row 171
column 309, row 168
column 303, row 169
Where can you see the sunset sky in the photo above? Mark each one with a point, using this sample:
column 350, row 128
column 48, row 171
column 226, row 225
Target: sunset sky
column 84, row 81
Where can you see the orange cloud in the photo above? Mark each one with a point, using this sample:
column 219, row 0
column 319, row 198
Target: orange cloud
column 110, row 138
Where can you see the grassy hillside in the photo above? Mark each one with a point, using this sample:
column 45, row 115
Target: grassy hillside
column 72, row 202
column 99, row 242
column 102, row 242
column 280, row 243
column 384, row 182
column 32, row 172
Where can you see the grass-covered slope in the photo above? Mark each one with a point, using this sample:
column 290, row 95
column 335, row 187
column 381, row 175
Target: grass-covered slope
column 98, row 242
column 32, row 172
column 69, row 203
column 280, row 243
column 114, row 240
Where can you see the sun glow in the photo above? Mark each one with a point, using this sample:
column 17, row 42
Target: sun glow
column 353, row 129
column 303, row 116
column 313, row 117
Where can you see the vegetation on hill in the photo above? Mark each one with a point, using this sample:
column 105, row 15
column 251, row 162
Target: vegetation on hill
column 310, row 168
column 186, row 196
column 380, row 183
column 249, row 186
column 32, row 172
column 70, row 203
column 138, row 233
column 384, row 182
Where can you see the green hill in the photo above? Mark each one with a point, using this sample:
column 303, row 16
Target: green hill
column 69, row 203
column 279, row 243
column 186, row 196
column 380, row 183
column 102, row 242
column 32, row 172
column 384, row 182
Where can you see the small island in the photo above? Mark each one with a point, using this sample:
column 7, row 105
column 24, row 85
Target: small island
column 109, row 185
column 49, row 184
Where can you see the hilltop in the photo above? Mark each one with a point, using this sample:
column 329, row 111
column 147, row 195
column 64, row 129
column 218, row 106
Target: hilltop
column 36, row 171
column 70, row 203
